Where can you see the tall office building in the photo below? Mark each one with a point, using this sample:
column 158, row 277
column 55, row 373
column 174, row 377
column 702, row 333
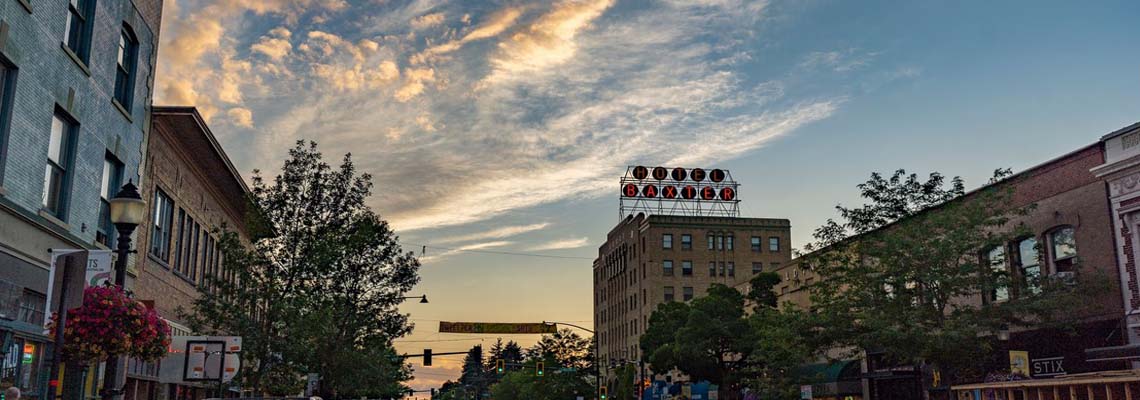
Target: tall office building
column 649, row 260
column 75, row 96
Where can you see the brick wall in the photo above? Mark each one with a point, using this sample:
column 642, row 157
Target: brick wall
column 48, row 78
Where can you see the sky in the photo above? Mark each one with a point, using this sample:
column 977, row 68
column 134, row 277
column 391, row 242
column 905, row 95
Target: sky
column 505, row 125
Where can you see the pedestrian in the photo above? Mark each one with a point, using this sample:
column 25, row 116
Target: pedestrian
column 13, row 393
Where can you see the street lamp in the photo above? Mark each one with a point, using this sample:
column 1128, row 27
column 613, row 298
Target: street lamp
column 423, row 299
column 128, row 210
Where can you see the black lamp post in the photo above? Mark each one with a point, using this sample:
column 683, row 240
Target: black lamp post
column 128, row 210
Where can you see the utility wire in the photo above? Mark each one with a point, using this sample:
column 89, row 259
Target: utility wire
column 424, row 248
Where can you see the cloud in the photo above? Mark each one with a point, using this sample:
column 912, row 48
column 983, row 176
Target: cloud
column 427, row 21
column 242, row 117
column 470, row 247
column 839, row 60
column 495, row 25
column 549, row 40
column 562, row 244
column 498, row 233
column 415, row 80
column 275, row 45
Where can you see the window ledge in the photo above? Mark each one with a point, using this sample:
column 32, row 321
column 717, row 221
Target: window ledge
column 122, row 110
column 55, row 220
column 26, row 4
column 75, row 58
column 155, row 259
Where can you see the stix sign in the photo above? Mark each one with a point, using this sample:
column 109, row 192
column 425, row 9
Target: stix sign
column 679, row 183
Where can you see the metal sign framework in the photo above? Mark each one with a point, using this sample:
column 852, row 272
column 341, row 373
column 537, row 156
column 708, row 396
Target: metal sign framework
column 692, row 192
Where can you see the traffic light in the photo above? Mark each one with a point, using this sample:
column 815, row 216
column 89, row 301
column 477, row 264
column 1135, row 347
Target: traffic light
column 427, row 357
column 499, row 366
column 602, row 393
column 538, row 369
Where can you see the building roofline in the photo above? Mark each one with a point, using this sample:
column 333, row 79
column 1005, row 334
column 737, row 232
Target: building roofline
column 1121, row 131
column 192, row 112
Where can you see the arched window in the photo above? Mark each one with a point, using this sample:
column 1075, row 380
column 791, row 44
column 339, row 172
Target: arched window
column 1063, row 248
column 125, row 70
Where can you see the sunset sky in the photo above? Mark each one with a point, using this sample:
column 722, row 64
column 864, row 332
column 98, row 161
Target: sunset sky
column 504, row 126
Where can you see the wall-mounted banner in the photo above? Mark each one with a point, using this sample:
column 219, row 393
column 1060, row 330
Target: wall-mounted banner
column 496, row 327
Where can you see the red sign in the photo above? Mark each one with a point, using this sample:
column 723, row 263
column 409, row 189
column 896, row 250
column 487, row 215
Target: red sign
column 697, row 174
column 727, row 194
column 649, row 191
column 689, row 192
column 679, row 174
column 669, row 192
column 630, row 190
column 708, row 193
column 717, row 175
column 640, row 172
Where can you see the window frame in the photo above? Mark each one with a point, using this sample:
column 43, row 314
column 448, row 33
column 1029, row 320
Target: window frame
column 1023, row 275
column 78, row 41
column 163, row 217
column 668, row 294
column 987, row 257
column 757, row 244
column 68, row 134
column 774, row 244
column 667, row 241
column 126, row 74
column 8, row 74
column 757, row 267
column 687, row 293
column 1067, row 263
column 112, row 179
column 686, row 267
column 686, row 241
column 666, row 267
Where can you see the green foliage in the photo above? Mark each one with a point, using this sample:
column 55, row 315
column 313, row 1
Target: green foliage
column 904, row 273
column 315, row 286
column 523, row 385
column 762, row 293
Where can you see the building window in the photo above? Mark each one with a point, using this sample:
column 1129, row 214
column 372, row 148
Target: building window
column 686, row 268
column 668, row 293
column 712, row 268
column 720, row 242
column 125, row 67
column 1028, row 265
column 667, row 267
column 687, row 292
column 78, row 30
column 756, row 243
column 58, row 171
column 731, row 268
column 711, row 238
column 109, row 186
column 729, row 242
column 774, row 244
column 722, row 268
column 1063, row 245
column 667, row 241
column 686, row 242
column 757, row 268
column 7, row 83
column 161, row 228
column 996, row 259
column 32, row 307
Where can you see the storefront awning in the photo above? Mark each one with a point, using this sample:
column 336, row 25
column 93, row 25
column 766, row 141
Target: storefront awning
column 1114, row 353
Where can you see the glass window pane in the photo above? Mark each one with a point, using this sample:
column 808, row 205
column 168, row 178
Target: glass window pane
column 1027, row 252
column 56, row 143
column 1064, row 244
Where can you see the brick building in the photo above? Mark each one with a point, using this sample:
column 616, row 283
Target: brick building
column 1073, row 230
column 649, row 260
column 75, row 96
column 192, row 189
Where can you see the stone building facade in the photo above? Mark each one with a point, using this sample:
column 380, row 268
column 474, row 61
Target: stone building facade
column 193, row 190
column 649, row 260
column 76, row 84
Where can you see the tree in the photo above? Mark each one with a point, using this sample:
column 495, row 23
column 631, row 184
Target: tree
column 510, row 353
column 566, row 349
column 709, row 338
column 315, row 288
column 901, row 274
column 761, row 292
column 524, row 385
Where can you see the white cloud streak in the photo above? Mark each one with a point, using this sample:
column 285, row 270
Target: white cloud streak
column 562, row 244
column 498, row 233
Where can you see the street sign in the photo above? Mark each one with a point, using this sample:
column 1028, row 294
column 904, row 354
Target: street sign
column 496, row 327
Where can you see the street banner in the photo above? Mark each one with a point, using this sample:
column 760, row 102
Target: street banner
column 99, row 268
column 60, row 259
column 496, row 327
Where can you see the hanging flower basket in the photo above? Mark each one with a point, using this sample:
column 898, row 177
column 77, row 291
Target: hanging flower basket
column 111, row 323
